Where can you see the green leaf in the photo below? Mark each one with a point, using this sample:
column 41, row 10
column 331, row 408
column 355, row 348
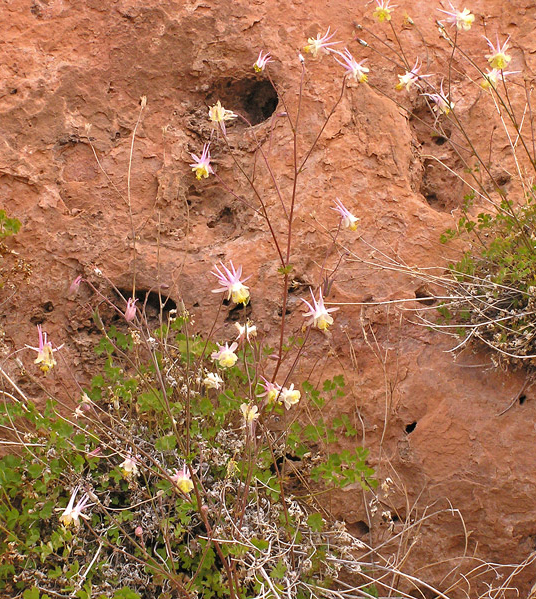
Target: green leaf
column 261, row 544
column 279, row 570
column 316, row 522
column 166, row 443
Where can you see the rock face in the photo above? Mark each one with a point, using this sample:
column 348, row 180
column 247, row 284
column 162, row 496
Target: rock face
column 464, row 483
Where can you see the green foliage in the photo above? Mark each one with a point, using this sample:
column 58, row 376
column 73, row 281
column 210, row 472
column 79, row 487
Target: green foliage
column 496, row 280
column 8, row 226
column 132, row 415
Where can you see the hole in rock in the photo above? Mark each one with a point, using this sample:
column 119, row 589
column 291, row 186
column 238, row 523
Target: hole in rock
column 255, row 99
column 423, row 593
column 238, row 312
column 48, row 306
column 297, row 285
column 424, row 296
column 358, row 529
column 280, row 311
column 225, row 216
column 411, row 427
column 521, row 399
column 439, row 140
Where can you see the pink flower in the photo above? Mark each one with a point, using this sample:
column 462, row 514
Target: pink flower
column 271, row 391
column 225, row 355
column 75, row 286
column 230, row 282
column 498, row 59
column 314, row 45
column 45, row 355
column 463, row 19
column 354, row 70
column 262, row 61
column 410, row 78
column 183, row 480
column 320, row 317
column 201, row 166
column 130, row 312
column 442, row 104
column 347, row 218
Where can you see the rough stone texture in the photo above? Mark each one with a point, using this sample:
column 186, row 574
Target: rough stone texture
column 67, row 64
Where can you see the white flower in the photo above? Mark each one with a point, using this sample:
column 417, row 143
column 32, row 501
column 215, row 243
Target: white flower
column 315, row 44
column 212, row 380
column 218, row 115
column 250, row 413
column 129, row 467
column 289, row 396
column 72, row 513
column 245, row 331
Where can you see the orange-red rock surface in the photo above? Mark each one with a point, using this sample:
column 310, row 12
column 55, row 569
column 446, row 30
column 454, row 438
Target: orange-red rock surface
column 431, row 422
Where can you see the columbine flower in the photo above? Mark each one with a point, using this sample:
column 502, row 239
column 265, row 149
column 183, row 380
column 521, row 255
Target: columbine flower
column 75, row 286
column 72, row 513
column 491, row 78
column 289, row 396
column 245, row 331
column 410, row 78
column 129, row 467
column 462, row 19
column 320, row 317
column 354, row 69
column 271, row 391
column 230, row 282
column 183, row 480
column 348, row 220
column 213, row 380
column 262, row 61
column 442, row 105
column 130, row 312
column 315, row 44
column 250, row 413
column 225, row 355
column 218, row 115
column 383, row 10
column 201, row 166
column 45, row 355
column 498, row 59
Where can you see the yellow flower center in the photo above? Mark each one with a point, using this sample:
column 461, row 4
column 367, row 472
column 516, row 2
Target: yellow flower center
column 499, row 60
column 227, row 359
column 201, row 171
column 240, row 293
column 382, row 14
column 184, row 484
